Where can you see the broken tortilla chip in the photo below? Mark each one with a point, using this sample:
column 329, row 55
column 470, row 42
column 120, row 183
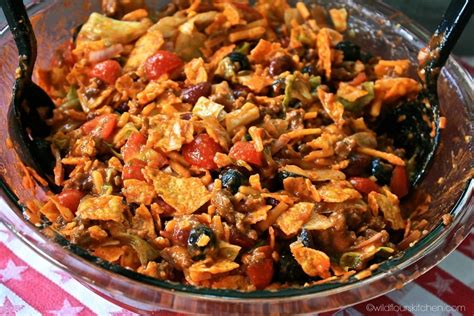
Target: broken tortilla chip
column 185, row 195
column 104, row 208
column 169, row 134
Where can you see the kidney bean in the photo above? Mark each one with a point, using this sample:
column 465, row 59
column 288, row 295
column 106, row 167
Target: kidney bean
column 240, row 239
column 239, row 90
column 260, row 267
column 280, row 64
column 309, row 69
column 193, row 93
column 358, row 164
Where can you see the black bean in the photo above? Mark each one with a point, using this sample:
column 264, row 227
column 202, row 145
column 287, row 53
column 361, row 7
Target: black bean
column 122, row 107
column 271, row 201
column 199, row 252
column 358, row 165
column 239, row 90
column 240, row 59
column 232, row 179
column 309, row 69
column 282, row 175
column 278, row 87
column 351, row 51
column 288, row 269
column 366, row 57
column 382, row 171
column 193, row 93
column 280, row 64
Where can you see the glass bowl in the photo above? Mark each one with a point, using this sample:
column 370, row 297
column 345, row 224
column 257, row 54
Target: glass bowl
column 380, row 30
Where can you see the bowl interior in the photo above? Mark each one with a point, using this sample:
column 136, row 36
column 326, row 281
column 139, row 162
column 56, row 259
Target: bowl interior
column 378, row 29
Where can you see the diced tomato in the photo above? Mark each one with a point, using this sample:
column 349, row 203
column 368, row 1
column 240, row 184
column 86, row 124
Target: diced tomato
column 133, row 145
column 364, row 185
column 399, row 182
column 201, row 151
column 134, row 149
column 260, row 273
column 238, row 238
column 70, row 198
column 162, row 62
column 246, row 151
column 108, row 71
column 359, row 79
column 133, row 170
column 180, row 235
column 260, row 268
column 101, row 126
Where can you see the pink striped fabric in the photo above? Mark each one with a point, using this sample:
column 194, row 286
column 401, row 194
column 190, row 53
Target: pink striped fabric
column 30, row 285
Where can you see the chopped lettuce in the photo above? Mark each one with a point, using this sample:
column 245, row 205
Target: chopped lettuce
column 301, row 88
column 99, row 27
column 168, row 25
column 188, row 46
column 206, row 108
column 351, row 260
column 358, row 260
column 190, row 41
column 71, row 101
column 143, row 249
column 60, row 140
column 228, row 251
column 226, row 69
column 357, row 105
column 122, row 135
column 241, row 117
column 244, row 48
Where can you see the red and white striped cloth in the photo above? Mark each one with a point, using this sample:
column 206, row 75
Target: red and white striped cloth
column 30, row 285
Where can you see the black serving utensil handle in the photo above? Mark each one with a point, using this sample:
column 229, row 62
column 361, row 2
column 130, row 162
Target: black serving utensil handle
column 20, row 26
column 26, row 124
column 439, row 49
column 420, row 138
column 442, row 42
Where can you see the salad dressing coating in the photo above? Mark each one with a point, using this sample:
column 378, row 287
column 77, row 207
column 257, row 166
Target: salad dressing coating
column 225, row 145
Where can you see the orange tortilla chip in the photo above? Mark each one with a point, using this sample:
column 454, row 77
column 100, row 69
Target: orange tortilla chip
column 169, row 134
column 185, row 195
column 264, row 51
column 291, row 221
column 109, row 253
column 104, row 208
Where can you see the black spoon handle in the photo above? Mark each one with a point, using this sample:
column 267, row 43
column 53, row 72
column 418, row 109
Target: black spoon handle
column 447, row 33
column 20, row 26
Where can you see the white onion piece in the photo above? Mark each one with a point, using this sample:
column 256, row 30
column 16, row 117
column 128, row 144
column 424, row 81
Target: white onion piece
column 106, row 53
